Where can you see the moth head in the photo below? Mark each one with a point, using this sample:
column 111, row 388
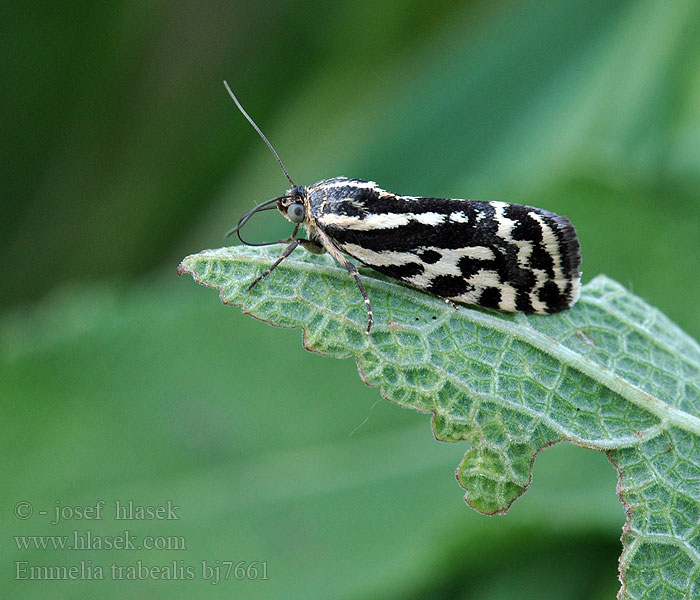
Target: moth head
column 293, row 205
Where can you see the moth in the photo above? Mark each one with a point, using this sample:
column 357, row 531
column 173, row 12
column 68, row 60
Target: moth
column 496, row 255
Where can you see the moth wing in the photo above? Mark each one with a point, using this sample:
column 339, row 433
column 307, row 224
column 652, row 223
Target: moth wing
column 495, row 254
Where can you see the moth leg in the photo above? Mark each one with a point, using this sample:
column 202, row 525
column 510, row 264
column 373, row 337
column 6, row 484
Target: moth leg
column 312, row 246
column 340, row 258
column 287, row 251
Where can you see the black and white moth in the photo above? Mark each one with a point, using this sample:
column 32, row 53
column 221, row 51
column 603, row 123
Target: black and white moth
column 497, row 255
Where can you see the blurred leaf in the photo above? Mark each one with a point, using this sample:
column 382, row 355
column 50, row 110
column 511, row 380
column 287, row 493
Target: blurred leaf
column 611, row 373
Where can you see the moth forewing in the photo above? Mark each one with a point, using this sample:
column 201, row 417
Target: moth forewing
column 493, row 254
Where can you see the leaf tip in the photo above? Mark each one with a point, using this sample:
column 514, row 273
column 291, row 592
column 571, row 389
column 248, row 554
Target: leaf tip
column 185, row 266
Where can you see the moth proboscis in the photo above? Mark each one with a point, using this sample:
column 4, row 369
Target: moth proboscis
column 497, row 255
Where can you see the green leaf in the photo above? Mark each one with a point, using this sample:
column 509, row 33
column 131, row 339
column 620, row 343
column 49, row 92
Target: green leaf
column 612, row 374
column 155, row 392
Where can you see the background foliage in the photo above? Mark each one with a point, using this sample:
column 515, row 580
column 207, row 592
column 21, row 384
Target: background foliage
column 122, row 153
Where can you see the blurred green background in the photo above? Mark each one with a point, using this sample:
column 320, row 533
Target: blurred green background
column 122, row 153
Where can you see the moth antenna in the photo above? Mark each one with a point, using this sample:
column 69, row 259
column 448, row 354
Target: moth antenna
column 246, row 217
column 260, row 133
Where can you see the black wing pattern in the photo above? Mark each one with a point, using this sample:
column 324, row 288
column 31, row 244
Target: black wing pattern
column 494, row 254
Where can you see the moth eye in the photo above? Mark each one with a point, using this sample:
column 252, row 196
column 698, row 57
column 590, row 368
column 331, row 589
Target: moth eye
column 296, row 212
